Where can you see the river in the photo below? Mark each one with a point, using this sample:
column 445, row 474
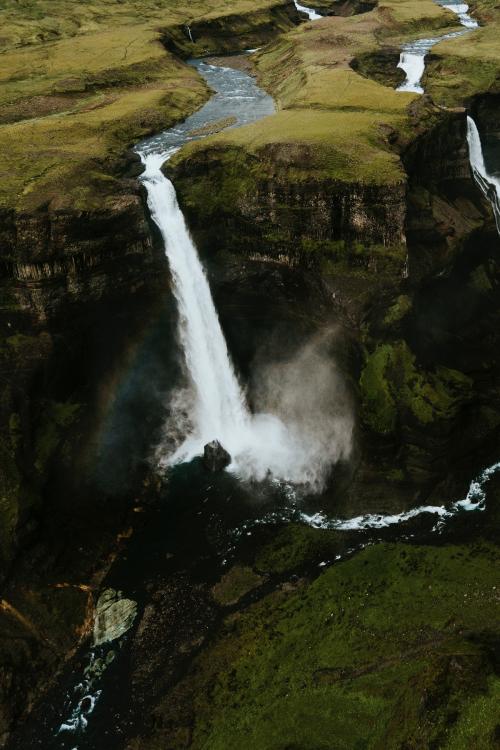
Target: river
column 284, row 467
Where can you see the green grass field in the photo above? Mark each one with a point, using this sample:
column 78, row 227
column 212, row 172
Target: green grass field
column 80, row 83
column 331, row 120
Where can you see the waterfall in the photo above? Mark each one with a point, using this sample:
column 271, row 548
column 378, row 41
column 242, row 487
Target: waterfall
column 413, row 54
column 219, row 402
column 461, row 10
column 412, row 62
column 313, row 16
column 489, row 184
column 188, row 29
column 261, row 445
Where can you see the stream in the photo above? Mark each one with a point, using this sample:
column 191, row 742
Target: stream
column 412, row 62
column 412, row 59
column 278, row 465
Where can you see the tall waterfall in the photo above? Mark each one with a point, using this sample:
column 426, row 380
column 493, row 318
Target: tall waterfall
column 261, row 445
column 220, row 407
column 489, row 184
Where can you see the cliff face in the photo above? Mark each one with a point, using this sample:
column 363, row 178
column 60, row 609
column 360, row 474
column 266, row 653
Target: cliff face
column 374, row 250
column 61, row 270
column 231, row 33
column 56, row 258
column 444, row 206
column 298, row 221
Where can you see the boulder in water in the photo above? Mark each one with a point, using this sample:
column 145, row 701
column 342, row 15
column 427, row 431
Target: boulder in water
column 215, row 457
column 114, row 615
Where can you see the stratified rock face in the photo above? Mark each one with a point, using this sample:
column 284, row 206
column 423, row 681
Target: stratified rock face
column 231, row 33
column 284, row 218
column 215, row 457
column 60, row 268
column 64, row 256
column 113, row 616
column 444, row 206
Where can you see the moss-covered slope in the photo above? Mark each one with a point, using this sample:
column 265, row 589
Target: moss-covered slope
column 394, row 648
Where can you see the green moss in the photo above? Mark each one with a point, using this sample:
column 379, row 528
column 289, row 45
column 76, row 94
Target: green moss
column 468, row 65
column 398, row 310
column 295, row 545
column 396, row 475
column 478, row 726
column 373, row 654
column 234, row 584
column 392, row 387
column 20, row 342
column 379, row 406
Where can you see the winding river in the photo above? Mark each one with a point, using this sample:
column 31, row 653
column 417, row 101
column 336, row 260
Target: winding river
column 262, row 446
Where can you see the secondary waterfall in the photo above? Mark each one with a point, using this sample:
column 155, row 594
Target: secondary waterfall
column 489, row 184
column 313, row 15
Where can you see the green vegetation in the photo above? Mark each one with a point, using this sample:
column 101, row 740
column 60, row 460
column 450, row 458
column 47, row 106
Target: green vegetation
column 383, row 651
column 295, row 545
column 470, row 64
column 332, row 122
column 234, row 584
column 398, row 310
column 392, row 387
column 29, row 22
column 70, row 153
column 82, row 82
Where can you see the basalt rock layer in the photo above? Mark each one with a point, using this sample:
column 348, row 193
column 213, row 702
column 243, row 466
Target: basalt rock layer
column 230, row 33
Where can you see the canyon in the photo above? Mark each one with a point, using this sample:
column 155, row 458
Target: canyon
column 350, row 249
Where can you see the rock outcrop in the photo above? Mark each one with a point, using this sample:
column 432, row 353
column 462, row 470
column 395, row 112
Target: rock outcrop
column 215, row 457
column 114, row 615
column 231, row 33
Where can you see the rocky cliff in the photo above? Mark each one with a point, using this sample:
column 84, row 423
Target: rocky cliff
column 232, row 32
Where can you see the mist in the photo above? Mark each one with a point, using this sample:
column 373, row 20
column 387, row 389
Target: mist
column 299, row 427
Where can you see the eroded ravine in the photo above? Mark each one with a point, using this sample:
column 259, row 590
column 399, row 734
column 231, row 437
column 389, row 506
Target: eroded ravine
column 80, row 733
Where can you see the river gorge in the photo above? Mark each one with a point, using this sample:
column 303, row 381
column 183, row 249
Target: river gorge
column 329, row 315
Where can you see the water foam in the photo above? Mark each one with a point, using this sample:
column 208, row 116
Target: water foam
column 474, row 500
column 312, row 14
column 261, row 445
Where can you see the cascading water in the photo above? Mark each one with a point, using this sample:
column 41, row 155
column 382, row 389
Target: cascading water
column 489, row 184
column 294, row 443
column 261, row 445
column 412, row 61
column 219, row 404
column 412, row 58
column 312, row 14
